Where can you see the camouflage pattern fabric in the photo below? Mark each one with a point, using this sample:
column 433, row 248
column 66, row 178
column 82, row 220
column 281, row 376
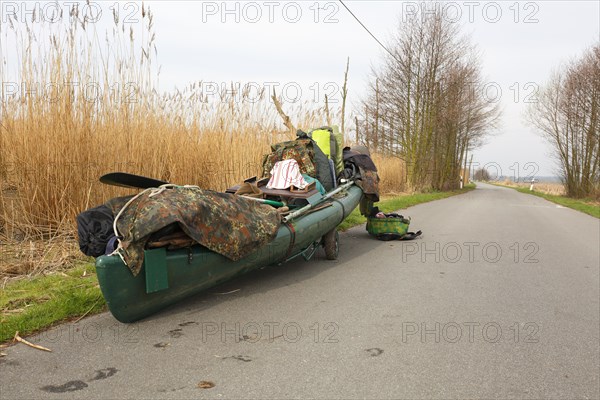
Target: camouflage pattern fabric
column 311, row 160
column 230, row 225
column 369, row 183
column 300, row 150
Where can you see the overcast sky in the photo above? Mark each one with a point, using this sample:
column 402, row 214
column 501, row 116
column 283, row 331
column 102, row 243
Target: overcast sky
column 304, row 44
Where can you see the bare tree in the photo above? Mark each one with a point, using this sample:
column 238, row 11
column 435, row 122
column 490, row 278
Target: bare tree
column 481, row 174
column 567, row 115
column 425, row 103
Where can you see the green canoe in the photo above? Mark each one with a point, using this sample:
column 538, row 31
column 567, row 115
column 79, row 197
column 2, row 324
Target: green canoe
column 170, row 276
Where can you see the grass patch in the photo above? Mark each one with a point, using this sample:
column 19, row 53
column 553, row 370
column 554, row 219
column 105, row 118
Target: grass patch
column 587, row 206
column 30, row 305
column 399, row 202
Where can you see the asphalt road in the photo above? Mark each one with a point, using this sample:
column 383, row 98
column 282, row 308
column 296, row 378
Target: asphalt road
column 499, row 299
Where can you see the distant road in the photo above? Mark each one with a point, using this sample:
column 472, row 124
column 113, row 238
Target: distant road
column 499, row 299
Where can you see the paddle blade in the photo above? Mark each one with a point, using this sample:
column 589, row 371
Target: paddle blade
column 124, row 179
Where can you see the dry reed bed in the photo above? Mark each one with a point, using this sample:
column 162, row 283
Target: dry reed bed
column 54, row 145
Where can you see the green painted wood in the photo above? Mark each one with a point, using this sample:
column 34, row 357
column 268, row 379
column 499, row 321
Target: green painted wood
column 155, row 262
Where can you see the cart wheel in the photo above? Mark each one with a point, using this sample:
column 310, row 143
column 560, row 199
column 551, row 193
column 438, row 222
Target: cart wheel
column 331, row 244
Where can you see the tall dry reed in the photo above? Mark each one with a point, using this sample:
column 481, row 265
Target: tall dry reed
column 55, row 142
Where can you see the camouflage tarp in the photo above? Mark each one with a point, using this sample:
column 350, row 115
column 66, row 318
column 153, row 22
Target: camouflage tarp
column 369, row 183
column 230, row 225
column 299, row 150
column 311, row 160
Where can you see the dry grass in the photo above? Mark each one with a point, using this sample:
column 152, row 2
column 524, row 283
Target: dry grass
column 56, row 142
column 555, row 189
column 392, row 173
column 33, row 257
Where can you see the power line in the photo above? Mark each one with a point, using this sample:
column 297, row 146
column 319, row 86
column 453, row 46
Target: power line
column 367, row 29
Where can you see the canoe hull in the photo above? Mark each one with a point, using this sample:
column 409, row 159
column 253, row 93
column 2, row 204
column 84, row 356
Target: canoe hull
column 191, row 271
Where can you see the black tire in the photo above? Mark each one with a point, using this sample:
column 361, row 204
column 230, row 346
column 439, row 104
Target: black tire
column 331, row 244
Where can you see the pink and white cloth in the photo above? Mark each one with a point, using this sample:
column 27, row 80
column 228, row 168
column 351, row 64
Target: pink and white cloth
column 286, row 173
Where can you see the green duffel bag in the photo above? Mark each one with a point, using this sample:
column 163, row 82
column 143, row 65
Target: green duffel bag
column 392, row 227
